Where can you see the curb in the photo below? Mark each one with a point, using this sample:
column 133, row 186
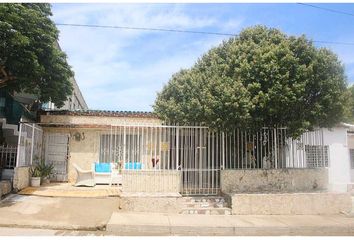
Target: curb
column 101, row 227
column 132, row 230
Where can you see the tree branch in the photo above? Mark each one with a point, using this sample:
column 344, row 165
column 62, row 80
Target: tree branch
column 5, row 77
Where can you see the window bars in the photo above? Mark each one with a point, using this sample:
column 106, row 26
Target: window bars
column 8, row 156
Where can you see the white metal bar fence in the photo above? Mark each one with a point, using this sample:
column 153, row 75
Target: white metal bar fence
column 189, row 158
column 270, row 148
column 30, row 142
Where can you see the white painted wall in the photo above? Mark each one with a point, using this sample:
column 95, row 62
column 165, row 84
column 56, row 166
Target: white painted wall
column 351, row 146
column 339, row 164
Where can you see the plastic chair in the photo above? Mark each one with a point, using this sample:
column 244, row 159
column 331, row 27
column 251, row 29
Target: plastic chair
column 84, row 177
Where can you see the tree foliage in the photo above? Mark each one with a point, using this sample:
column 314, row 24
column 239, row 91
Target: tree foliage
column 260, row 78
column 30, row 58
column 349, row 109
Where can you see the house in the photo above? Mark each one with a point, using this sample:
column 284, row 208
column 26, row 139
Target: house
column 88, row 136
column 162, row 164
column 348, row 168
column 189, row 158
column 337, row 139
column 84, row 137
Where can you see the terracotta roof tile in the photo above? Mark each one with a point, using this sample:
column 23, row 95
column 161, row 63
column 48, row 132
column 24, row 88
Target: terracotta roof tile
column 103, row 113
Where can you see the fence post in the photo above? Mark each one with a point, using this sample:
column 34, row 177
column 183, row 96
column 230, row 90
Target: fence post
column 124, row 145
column 177, row 147
column 223, row 150
column 2, row 161
column 110, row 146
column 19, row 145
column 32, row 141
column 322, row 147
column 275, row 149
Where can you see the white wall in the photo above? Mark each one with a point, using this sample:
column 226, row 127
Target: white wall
column 351, row 146
column 339, row 164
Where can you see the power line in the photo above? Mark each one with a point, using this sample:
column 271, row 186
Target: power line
column 145, row 29
column 335, row 43
column 327, row 9
column 178, row 31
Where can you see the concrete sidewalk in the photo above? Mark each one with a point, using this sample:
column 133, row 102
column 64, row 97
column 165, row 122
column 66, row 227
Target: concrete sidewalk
column 137, row 224
column 56, row 213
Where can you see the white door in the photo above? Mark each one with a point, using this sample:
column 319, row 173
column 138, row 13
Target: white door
column 56, row 152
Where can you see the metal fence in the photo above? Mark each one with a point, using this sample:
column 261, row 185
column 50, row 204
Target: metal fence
column 198, row 154
column 29, row 149
column 8, row 156
column 271, row 148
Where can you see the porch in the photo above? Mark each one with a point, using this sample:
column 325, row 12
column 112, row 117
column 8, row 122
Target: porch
column 63, row 189
column 187, row 160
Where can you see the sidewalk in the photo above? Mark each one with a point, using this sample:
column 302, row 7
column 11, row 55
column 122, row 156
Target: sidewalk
column 86, row 213
column 172, row 224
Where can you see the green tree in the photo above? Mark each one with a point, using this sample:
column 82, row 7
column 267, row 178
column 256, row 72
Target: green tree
column 30, row 58
column 260, row 78
column 349, row 109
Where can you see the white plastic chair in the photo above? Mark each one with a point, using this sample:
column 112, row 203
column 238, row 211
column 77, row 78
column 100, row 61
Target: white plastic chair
column 84, row 177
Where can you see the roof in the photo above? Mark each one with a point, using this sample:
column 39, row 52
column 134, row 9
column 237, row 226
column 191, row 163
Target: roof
column 346, row 125
column 349, row 126
column 100, row 113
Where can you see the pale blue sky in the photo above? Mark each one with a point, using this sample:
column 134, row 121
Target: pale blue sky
column 124, row 69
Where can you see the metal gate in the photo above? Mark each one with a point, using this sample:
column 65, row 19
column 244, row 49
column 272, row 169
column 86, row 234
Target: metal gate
column 56, row 153
column 160, row 151
column 200, row 161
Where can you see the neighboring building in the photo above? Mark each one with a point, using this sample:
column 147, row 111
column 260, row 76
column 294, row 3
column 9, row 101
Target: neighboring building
column 350, row 164
column 22, row 107
column 75, row 102
column 339, row 173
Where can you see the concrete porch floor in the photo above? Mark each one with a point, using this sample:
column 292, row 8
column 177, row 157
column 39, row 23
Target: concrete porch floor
column 60, row 189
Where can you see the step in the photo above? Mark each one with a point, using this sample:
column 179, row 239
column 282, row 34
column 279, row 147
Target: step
column 207, row 211
column 203, row 199
column 204, row 202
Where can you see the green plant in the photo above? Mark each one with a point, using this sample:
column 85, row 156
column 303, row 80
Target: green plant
column 34, row 171
column 45, row 169
column 120, row 166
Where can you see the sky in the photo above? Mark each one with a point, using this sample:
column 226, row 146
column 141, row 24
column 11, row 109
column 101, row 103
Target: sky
column 123, row 70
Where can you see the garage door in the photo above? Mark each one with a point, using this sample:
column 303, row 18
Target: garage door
column 56, row 153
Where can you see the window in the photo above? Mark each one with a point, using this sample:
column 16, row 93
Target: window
column 316, row 156
column 351, row 155
column 111, row 148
